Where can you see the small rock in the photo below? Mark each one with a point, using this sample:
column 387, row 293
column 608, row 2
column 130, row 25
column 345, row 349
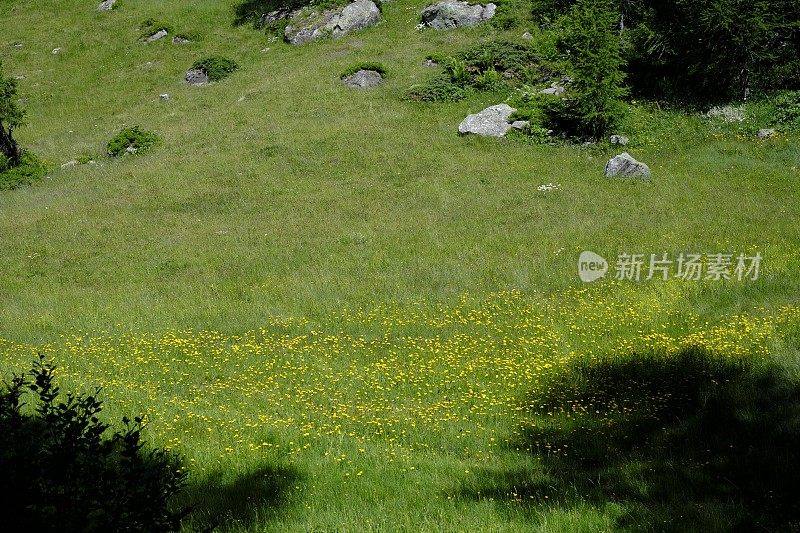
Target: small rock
column 625, row 166
column 454, row 14
column 274, row 16
column 131, row 149
column 18, row 45
column 181, row 40
column 363, row 79
column 56, row 51
column 164, row 97
column 71, row 163
column 491, row 122
column 196, row 77
column 160, row 34
column 619, row 139
column 430, row 63
column 20, row 77
column 267, row 49
column 520, row 124
column 527, row 36
column 558, row 91
column 765, row 133
column 107, row 5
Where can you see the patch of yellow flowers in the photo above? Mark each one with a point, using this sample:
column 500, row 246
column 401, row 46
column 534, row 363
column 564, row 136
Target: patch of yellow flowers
column 399, row 375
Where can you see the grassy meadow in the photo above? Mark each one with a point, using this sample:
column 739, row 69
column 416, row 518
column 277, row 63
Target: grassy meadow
column 346, row 317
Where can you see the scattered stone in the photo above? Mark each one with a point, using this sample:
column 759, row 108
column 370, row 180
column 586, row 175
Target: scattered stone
column 160, row 34
column 430, row 63
column 625, row 166
column 71, row 163
column 308, row 25
column 131, row 150
column 56, row 51
column 491, row 122
column 106, row 5
column 18, row 45
column 196, row 77
column 520, row 124
column 164, row 97
column 20, row 77
column 275, row 16
column 527, row 36
column 363, row 79
column 766, row 133
column 727, row 113
column 619, row 139
column 181, row 40
column 454, row 14
column 267, row 49
column 558, row 91
column 548, row 187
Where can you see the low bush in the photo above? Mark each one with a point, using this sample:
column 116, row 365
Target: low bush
column 439, row 88
column 132, row 140
column 152, row 26
column 29, row 170
column 376, row 67
column 62, row 471
column 216, row 67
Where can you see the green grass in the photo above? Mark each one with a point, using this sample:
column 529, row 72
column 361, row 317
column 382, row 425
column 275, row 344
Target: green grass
column 280, row 193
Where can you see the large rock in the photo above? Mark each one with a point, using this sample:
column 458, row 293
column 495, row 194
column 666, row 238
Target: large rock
column 625, row 166
column 311, row 25
column 363, row 79
column 454, row 14
column 196, row 76
column 491, row 122
column 107, row 5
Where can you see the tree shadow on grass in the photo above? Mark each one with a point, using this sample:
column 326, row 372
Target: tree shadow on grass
column 690, row 442
column 251, row 498
column 252, row 11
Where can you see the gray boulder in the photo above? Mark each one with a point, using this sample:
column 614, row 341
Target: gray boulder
column 160, row 34
column 619, row 139
column 491, row 122
column 766, row 133
column 181, row 40
column 527, row 36
column 363, row 79
column 308, row 25
column 107, row 5
column 520, row 124
column 557, row 91
column 196, row 77
column 625, row 166
column 454, row 14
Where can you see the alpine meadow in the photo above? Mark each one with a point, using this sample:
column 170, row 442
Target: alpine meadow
column 410, row 265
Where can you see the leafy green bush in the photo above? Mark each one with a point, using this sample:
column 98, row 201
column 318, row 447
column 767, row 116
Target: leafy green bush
column 62, row 472
column 216, row 67
column 376, row 67
column 29, row 170
column 785, row 107
column 593, row 105
column 131, row 140
column 439, row 88
column 500, row 55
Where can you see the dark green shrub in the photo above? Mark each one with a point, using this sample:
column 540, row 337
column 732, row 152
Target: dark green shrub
column 131, row 140
column 500, row 55
column 439, row 88
column 62, row 471
column 593, row 105
column 217, row 67
column 28, row 170
column 376, row 67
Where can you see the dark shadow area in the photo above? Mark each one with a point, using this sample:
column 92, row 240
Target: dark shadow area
column 691, row 442
column 250, row 498
column 255, row 11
